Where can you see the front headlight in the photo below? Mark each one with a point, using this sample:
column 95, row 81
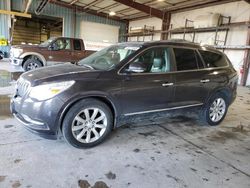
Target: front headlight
column 16, row 52
column 47, row 91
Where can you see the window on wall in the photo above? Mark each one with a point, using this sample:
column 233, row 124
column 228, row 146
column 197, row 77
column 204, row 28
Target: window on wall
column 212, row 59
column 77, row 44
column 185, row 59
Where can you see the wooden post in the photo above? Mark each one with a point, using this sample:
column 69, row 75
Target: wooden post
column 15, row 13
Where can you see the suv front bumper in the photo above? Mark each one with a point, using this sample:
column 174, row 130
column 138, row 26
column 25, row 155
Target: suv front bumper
column 39, row 117
column 16, row 61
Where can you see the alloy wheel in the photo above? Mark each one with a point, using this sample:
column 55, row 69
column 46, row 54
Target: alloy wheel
column 32, row 66
column 89, row 125
column 217, row 109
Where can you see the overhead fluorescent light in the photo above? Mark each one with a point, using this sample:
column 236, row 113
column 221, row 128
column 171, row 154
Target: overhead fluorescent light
column 112, row 13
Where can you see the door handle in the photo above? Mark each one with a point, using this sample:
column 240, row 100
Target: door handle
column 205, row 81
column 167, row 84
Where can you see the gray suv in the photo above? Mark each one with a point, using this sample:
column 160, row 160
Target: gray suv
column 87, row 101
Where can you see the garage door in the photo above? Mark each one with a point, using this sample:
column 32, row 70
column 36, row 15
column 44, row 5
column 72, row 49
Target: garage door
column 96, row 35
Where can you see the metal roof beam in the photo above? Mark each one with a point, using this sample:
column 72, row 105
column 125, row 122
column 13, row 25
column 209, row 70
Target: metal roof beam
column 83, row 9
column 108, row 7
column 93, row 3
column 143, row 8
column 73, row 2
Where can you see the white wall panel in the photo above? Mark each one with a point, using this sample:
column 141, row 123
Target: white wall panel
column 96, row 34
column 99, row 32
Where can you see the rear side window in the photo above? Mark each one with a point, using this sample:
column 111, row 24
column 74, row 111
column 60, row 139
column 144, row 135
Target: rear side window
column 186, row 59
column 77, row 44
column 212, row 59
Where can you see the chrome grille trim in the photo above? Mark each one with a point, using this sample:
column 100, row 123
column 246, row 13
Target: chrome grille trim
column 22, row 87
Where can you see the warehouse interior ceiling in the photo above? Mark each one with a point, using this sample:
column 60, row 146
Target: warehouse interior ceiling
column 135, row 9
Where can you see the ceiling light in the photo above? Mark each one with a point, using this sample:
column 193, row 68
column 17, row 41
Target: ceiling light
column 160, row 0
column 112, row 13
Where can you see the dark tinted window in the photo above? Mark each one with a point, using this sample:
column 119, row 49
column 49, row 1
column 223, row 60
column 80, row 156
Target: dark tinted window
column 185, row 59
column 213, row 59
column 77, row 44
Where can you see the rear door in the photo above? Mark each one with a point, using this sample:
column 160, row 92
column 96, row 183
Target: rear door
column 78, row 52
column 151, row 90
column 217, row 69
column 190, row 77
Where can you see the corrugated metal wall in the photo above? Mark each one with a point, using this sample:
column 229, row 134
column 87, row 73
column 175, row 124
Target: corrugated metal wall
column 68, row 16
column 4, row 23
column 50, row 10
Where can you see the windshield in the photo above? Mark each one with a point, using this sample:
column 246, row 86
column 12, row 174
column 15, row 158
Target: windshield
column 47, row 42
column 108, row 57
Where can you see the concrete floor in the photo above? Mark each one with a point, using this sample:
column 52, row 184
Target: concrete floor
column 163, row 152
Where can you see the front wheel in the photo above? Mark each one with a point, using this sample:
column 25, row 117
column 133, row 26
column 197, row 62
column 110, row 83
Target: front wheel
column 31, row 64
column 87, row 123
column 215, row 110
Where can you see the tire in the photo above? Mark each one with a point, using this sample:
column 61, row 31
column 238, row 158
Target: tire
column 31, row 64
column 217, row 104
column 91, row 132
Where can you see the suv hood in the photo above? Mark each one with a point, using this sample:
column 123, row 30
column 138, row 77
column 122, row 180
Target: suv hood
column 59, row 73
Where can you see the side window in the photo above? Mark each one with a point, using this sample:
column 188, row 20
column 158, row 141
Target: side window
column 63, row 44
column 185, row 59
column 156, row 60
column 77, row 44
column 212, row 59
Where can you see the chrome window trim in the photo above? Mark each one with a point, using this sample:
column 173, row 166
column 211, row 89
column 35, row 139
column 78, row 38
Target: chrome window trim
column 164, row 109
column 171, row 72
column 174, row 72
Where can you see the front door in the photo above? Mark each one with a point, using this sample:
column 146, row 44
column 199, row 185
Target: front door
column 151, row 90
column 61, row 51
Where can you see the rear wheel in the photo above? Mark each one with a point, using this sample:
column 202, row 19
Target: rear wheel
column 215, row 110
column 87, row 123
column 31, row 64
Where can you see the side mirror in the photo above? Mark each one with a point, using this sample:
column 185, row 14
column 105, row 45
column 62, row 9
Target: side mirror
column 137, row 67
column 53, row 46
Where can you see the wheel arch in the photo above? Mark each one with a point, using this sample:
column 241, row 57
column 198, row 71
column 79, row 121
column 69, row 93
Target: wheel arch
column 26, row 56
column 226, row 91
column 101, row 98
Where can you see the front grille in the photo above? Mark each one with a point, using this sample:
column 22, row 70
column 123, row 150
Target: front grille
column 22, row 87
column 11, row 53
